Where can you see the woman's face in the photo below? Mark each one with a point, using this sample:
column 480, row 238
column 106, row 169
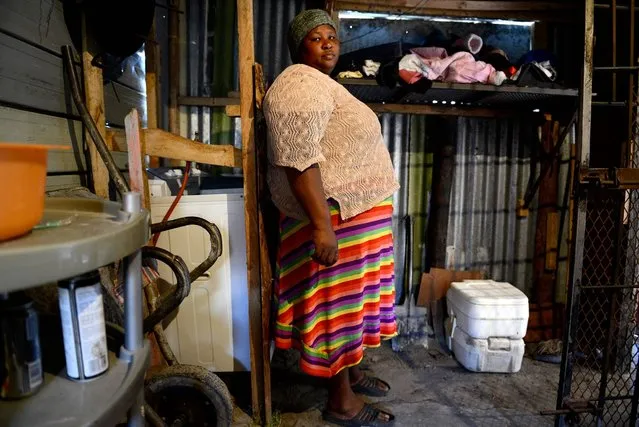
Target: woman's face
column 320, row 49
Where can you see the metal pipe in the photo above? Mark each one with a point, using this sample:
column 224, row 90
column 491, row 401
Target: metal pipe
column 153, row 418
column 609, row 103
column 616, row 68
column 135, row 417
column 182, row 288
column 133, row 316
column 579, row 221
column 618, row 7
column 100, row 144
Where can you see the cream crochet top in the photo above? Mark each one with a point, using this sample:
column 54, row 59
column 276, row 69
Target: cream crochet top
column 313, row 119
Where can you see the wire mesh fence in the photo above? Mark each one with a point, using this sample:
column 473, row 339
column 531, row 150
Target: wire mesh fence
column 604, row 333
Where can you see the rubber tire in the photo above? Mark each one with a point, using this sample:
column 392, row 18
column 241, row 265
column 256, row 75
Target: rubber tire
column 197, row 378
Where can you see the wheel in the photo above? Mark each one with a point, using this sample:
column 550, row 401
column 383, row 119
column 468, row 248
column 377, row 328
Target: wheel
column 187, row 395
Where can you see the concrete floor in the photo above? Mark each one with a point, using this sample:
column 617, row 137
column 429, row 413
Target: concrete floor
column 429, row 388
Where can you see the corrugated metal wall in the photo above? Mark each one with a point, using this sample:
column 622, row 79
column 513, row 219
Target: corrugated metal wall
column 491, row 171
column 271, row 24
column 492, row 167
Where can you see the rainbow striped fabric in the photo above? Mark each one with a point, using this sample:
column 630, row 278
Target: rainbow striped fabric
column 330, row 314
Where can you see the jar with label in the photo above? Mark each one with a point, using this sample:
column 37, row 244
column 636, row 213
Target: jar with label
column 83, row 326
column 20, row 354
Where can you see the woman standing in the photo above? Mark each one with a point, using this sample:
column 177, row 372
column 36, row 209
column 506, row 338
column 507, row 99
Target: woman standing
column 332, row 179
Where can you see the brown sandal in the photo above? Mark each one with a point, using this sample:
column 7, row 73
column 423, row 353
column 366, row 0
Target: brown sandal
column 369, row 386
column 369, row 416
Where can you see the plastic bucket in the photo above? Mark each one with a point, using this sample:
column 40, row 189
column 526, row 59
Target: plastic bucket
column 22, row 206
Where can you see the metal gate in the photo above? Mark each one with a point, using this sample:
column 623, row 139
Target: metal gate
column 599, row 380
column 599, row 368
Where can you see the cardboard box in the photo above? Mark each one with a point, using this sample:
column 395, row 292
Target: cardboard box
column 436, row 282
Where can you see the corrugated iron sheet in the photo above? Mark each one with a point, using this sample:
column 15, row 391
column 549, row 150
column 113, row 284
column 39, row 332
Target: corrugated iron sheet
column 271, row 24
column 491, row 171
column 492, row 167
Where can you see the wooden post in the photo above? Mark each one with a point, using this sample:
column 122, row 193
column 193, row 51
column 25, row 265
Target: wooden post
column 329, row 6
column 136, row 148
column 264, row 216
column 151, row 51
column 246, row 62
column 174, row 66
column 94, row 99
column 544, row 266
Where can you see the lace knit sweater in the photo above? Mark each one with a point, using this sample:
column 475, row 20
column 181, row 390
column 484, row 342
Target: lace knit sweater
column 313, row 119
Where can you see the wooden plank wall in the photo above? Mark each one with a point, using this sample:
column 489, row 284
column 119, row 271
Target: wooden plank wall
column 504, row 9
column 35, row 106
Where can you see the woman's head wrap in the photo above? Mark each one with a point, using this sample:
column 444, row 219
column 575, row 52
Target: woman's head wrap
column 302, row 24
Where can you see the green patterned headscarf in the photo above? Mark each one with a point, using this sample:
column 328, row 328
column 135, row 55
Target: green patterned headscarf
column 302, row 24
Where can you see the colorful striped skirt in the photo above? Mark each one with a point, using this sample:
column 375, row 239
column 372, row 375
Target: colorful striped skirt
column 330, row 314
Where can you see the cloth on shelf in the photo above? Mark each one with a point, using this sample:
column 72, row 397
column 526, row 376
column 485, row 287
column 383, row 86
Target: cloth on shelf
column 534, row 74
column 412, row 69
column 383, row 53
column 350, row 75
column 371, row 68
column 498, row 59
column 471, row 43
column 538, row 55
column 435, row 64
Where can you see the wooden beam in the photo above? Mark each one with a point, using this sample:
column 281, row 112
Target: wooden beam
column 152, row 64
column 481, row 9
column 266, row 274
column 169, row 146
column 165, row 144
column 260, row 86
column 232, row 110
column 137, row 150
column 206, row 101
column 464, row 5
column 94, row 100
column 116, row 140
column 440, row 110
column 261, row 408
column 545, row 249
column 174, row 66
column 329, row 6
column 552, row 241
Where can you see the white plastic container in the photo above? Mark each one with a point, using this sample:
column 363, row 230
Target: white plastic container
column 487, row 309
column 498, row 355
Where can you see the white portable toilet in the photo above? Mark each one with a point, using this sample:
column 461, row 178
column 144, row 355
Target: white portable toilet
column 487, row 324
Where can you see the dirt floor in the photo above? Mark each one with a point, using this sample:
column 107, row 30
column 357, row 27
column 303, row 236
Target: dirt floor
column 429, row 388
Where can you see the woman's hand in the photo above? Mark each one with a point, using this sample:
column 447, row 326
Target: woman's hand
column 309, row 191
column 326, row 250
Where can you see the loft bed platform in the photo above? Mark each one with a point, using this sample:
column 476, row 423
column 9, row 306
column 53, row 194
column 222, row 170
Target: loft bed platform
column 461, row 99
column 557, row 11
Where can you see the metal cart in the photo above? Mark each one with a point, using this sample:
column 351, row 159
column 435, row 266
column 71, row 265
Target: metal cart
column 94, row 233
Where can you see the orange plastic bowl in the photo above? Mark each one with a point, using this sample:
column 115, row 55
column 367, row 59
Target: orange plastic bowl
column 23, row 198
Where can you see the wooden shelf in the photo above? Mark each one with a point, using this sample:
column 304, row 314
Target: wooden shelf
column 460, row 99
column 495, row 9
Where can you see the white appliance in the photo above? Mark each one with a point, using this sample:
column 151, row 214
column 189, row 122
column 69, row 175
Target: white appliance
column 211, row 326
column 487, row 323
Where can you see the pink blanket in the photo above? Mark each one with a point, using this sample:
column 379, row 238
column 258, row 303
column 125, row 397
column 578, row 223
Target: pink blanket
column 434, row 63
